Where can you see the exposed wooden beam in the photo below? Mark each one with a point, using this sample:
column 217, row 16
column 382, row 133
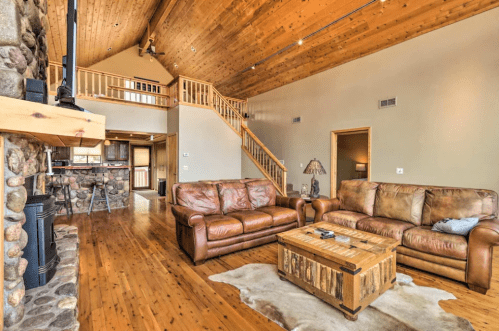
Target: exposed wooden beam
column 164, row 9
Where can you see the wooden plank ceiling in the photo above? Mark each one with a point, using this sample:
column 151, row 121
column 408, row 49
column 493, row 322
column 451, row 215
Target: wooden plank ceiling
column 231, row 35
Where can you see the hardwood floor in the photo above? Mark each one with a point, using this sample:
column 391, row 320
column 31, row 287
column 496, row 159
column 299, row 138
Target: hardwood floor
column 133, row 276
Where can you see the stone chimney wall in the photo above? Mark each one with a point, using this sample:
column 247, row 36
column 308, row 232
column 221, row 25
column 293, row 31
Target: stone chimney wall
column 24, row 157
column 23, row 44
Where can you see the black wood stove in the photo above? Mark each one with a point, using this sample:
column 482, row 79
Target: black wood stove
column 41, row 250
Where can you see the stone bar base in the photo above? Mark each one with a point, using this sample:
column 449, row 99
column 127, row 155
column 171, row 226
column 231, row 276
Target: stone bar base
column 54, row 306
column 117, row 183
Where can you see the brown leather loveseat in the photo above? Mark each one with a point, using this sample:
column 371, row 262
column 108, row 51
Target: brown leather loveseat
column 217, row 218
column 408, row 212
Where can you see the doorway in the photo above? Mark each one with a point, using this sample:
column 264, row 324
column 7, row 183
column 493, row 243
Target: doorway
column 350, row 156
column 172, row 160
column 159, row 163
column 141, row 167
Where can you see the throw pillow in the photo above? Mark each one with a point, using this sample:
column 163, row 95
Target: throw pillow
column 357, row 196
column 200, row 197
column 261, row 193
column 461, row 226
column 233, row 197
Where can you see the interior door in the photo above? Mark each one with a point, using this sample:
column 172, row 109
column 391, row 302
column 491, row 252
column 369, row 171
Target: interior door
column 141, row 167
column 172, row 151
column 161, row 163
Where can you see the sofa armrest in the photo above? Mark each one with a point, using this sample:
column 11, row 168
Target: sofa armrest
column 186, row 216
column 482, row 239
column 324, row 206
column 297, row 204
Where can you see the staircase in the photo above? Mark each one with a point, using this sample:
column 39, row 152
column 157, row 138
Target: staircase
column 193, row 92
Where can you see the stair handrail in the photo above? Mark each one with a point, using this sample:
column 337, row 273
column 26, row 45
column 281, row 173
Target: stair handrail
column 259, row 142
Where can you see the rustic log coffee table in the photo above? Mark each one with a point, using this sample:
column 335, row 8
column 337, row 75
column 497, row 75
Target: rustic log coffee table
column 348, row 275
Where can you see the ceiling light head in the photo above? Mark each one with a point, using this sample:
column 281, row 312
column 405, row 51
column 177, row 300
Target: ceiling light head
column 109, row 49
column 116, row 24
column 175, row 65
column 382, row 0
column 300, row 42
column 253, row 67
column 193, row 49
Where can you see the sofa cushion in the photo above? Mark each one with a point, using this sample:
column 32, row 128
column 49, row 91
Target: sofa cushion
column 425, row 240
column 458, row 203
column 386, row 227
column 400, row 202
column 357, row 196
column 233, row 197
column 261, row 193
column 222, row 227
column 252, row 220
column 280, row 215
column 344, row 217
column 200, row 197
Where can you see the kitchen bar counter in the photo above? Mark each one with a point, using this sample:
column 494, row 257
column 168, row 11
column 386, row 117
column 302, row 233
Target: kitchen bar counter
column 81, row 180
column 90, row 167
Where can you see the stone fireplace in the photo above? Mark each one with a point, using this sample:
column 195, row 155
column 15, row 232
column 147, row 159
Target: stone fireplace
column 23, row 44
column 25, row 158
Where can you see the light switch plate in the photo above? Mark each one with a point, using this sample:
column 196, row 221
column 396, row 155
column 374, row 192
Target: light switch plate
column 400, row 171
column 185, row 168
column 301, row 165
column 186, row 154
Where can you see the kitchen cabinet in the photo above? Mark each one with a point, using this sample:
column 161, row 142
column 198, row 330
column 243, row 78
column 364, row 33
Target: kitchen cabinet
column 61, row 153
column 117, row 151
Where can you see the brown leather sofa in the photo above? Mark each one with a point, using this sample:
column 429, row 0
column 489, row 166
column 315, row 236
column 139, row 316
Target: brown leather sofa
column 217, row 218
column 408, row 212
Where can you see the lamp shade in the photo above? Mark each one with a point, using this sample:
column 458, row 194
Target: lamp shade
column 315, row 168
column 360, row 167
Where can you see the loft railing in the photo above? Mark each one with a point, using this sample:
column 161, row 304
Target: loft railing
column 103, row 86
column 188, row 91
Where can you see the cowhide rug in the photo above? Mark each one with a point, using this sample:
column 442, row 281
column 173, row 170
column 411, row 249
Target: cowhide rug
column 406, row 307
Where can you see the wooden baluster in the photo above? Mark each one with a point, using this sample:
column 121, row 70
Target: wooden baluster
column 56, row 77
column 100, row 85
column 106, row 91
column 86, row 83
column 48, row 78
column 93, row 85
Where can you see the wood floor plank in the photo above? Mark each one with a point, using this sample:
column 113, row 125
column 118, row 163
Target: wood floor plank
column 133, row 276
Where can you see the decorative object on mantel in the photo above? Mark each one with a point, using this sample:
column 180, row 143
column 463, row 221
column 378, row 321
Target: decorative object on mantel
column 54, row 306
column 314, row 168
column 360, row 168
column 295, row 309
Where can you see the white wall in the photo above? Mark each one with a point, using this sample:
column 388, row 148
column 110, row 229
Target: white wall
column 248, row 168
column 445, row 130
column 126, row 118
column 214, row 148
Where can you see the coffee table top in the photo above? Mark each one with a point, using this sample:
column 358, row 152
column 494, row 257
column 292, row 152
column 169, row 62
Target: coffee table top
column 361, row 248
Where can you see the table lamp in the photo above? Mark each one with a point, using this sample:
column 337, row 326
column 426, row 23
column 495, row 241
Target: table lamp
column 360, row 167
column 314, row 168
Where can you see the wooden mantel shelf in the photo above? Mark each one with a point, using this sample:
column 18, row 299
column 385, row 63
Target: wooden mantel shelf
column 55, row 126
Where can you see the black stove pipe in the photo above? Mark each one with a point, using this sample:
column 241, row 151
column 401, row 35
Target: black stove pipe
column 66, row 92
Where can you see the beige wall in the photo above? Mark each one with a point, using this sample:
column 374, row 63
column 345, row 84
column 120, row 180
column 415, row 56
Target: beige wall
column 214, row 148
column 445, row 130
column 129, row 63
column 352, row 149
column 125, row 117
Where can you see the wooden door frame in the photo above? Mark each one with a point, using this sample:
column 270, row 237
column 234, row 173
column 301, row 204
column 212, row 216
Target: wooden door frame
column 132, row 172
column 334, row 153
column 168, row 193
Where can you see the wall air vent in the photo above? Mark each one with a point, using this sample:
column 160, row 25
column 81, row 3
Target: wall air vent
column 392, row 102
column 297, row 120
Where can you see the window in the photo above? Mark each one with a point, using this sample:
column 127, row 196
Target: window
column 139, row 97
column 87, row 155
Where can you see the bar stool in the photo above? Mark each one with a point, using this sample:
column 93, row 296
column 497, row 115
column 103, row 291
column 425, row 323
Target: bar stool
column 99, row 184
column 66, row 190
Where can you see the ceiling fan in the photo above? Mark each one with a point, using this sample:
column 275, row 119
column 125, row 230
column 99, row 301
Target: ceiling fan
column 151, row 50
